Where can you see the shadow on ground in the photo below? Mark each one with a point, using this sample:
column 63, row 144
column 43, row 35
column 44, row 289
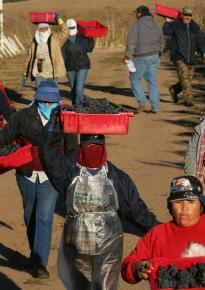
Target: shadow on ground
column 7, row 284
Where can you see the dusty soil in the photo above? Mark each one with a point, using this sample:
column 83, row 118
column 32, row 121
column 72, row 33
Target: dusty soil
column 152, row 153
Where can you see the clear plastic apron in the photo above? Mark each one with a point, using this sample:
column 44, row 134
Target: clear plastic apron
column 92, row 222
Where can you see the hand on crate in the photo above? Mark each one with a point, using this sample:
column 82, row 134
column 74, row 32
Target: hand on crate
column 59, row 18
column 143, row 269
column 24, row 80
column 167, row 19
column 55, row 113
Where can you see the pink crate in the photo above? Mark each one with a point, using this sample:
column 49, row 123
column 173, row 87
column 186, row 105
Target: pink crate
column 113, row 124
column 92, row 28
column 167, row 11
column 181, row 263
column 41, row 17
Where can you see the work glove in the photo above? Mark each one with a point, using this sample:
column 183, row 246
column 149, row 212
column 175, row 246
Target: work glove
column 24, row 80
column 167, row 19
column 55, row 113
column 143, row 269
column 59, row 18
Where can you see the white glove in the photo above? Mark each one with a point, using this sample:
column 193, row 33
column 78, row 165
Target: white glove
column 167, row 19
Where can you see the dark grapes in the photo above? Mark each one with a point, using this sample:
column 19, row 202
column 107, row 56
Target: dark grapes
column 95, row 106
column 172, row 277
column 5, row 150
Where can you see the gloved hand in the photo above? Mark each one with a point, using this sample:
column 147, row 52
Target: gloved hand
column 167, row 19
column 55, row 113
column 24, row 80
column 59, row 18
column 143, row 268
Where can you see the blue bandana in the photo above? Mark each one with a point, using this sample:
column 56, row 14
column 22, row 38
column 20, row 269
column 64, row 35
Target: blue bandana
column 45, row 109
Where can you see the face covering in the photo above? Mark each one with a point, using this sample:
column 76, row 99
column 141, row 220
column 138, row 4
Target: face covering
column 42, row 36
column 45, row 109
column 92, row 156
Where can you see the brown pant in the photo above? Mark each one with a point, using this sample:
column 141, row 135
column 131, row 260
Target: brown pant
column 185, row 74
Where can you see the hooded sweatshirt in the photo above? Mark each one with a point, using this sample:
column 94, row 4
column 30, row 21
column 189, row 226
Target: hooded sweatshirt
column 145, row 38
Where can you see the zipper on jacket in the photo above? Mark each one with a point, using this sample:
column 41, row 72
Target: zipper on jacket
column 188, row 34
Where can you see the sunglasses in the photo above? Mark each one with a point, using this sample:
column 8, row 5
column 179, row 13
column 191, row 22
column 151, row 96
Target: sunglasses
column 190, row 15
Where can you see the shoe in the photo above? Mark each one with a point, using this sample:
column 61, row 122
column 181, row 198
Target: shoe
column 174, row 95
column 143, row 108
column 40, row 271
column 188, row 103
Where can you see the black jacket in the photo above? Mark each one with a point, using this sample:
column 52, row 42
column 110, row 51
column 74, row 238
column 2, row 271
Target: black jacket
column 133, row 212
column 25, row 123
column 75, row 54
column 5, row 109
column 186, row 40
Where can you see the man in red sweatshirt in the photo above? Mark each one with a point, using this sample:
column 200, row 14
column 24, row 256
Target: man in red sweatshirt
column 172, row 239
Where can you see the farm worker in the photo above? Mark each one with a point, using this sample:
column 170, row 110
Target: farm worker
column 38, row 195
column 44, row 60
column 195, row 155
column 101, row 202
column 186, row 40
column 145, row 43
column 172, row 239
column 77, row 63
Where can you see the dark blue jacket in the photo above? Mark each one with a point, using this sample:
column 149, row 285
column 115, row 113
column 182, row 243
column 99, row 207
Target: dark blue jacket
column 135, row 216
column 186, row 40
column 75, row 54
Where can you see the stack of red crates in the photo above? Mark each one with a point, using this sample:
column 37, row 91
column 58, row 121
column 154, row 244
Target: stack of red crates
column 42, row 17
column 92, row 28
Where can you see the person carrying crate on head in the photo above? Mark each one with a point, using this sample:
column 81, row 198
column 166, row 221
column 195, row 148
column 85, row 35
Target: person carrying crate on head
column 44, row 60
column 101, row 202
column 75, row 54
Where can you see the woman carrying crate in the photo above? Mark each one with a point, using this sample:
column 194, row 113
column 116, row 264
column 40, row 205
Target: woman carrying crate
column 173, row 239
column 77, row 63
column 101, row 201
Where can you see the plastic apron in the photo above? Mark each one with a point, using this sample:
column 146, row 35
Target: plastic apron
column 91, row 247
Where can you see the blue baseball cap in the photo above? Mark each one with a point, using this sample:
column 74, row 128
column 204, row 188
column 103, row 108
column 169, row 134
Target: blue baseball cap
column 47, row 91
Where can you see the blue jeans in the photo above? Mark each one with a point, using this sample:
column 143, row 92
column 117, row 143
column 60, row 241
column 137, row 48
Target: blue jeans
column 77, row 81
column 146, row 67
column 40, row 79
column 39, row 200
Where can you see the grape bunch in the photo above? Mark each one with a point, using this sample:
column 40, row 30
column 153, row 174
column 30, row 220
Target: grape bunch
column 5, row 150
column 172, row 277
column 95, row 106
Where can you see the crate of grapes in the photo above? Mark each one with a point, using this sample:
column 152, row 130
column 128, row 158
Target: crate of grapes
column 14, row 155
column 92, row 28
column 181, row 273
column 165, row 11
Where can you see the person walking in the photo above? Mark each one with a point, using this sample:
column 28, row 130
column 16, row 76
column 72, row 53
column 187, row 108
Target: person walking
column 186, row 40
column 101, row 202
column 44, row 60
column 145, row 43
column 77, row 63
column 181, row 237
column 38, row 195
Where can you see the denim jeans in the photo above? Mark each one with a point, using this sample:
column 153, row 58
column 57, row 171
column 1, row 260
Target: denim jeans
column 146, row 67
column 39, row 200
column 40, row 79
column 77, row 81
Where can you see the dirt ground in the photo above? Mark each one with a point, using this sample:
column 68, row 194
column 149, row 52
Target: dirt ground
column 152, row 154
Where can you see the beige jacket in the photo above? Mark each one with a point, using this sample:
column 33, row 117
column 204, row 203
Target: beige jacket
column 55, row 41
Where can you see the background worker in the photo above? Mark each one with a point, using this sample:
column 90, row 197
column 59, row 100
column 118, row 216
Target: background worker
column 75, row 54
column 44, row 60
column 145, row 42
column 38, row 195
column 172, row 239
column 100, row 199
column 186, row 40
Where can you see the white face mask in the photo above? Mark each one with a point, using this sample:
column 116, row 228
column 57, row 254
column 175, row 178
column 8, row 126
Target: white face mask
column 42, row 36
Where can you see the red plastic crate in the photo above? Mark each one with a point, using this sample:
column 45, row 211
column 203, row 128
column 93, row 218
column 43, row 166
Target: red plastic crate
column 92, row 28
column 170, row 12
column 181, row 263
column 113, row 124
column 16, row 159
column 42, row 17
